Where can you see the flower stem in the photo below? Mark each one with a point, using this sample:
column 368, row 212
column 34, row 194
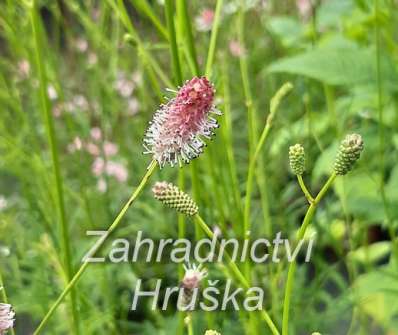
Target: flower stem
column 235, row 270
column 173, row 42
column 213, row 38
column 151, row 168
column 275, row 102
column 52, row 140
column 182, row 11
column 292, row 267
column 305, row 189
column 189, row 324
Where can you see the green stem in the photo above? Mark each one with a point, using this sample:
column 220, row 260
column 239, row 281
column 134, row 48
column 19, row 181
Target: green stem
column 275, row 102
column 121, row 11
column 305, row 189
column 189, row 324
column 52, row 139
column 146, row 8
column 213, row 38
column 182, row 9
column 382, row 162
column 292, row 266
column 173, row 42
column 151, row 168
column 235, row 270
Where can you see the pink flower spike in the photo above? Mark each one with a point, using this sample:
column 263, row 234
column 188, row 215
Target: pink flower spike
column 7, row 317
column 175, row 135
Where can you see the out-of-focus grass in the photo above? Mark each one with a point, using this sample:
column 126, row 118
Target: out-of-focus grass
column 108, row 64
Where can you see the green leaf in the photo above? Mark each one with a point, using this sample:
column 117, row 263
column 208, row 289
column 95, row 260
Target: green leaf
column 337, row 66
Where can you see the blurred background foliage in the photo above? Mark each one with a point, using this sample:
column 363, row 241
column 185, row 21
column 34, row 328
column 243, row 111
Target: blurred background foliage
column 105, row 78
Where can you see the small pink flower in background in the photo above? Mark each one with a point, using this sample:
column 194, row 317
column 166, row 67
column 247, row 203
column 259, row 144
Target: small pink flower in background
column 204, row 21
column 52, row 92
column 132, row 106
column 123, row 85
column 176, row 131
column 117, row 170
column 110, row 149
column 305, row 8
column 98, row 166
column 92, row 149
column 81, row 45
column 3, row 202
column 76, row 145
column 57, row 110
column 24, row 68
column 80, row 102
column 96, row 133
column 101, row 185
column 236, row 49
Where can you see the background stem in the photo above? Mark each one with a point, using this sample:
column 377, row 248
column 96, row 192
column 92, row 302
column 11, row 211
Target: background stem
column 151, row 168
column 292, row 266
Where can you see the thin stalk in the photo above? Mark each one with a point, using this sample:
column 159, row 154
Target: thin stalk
column 5, row 298
column 52, row 139
column 150, row 170
column 182, row 10
column 146, row 8
column 227, row 131
column 305, row 189
column 189, row 324
column 275, row 102
column 382, row 144
column 235, row 270
column 292, row 266
column 121, row 11
column 213, row 38
column 173, row 42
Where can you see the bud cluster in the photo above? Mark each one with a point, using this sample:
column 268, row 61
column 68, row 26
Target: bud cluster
column 349, row 152
column 297, row 159
column 173, row 197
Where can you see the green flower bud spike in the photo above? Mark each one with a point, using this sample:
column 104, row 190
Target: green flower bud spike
column 297, row 159
column 349, row 152
column 174, row 198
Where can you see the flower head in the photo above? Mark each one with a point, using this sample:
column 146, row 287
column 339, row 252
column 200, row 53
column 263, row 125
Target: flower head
column 349, row 152
column 176, row 133
column 173, row 197
column 6, row 318
column 204, row 21
column 193, row 276
column 190, row 286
